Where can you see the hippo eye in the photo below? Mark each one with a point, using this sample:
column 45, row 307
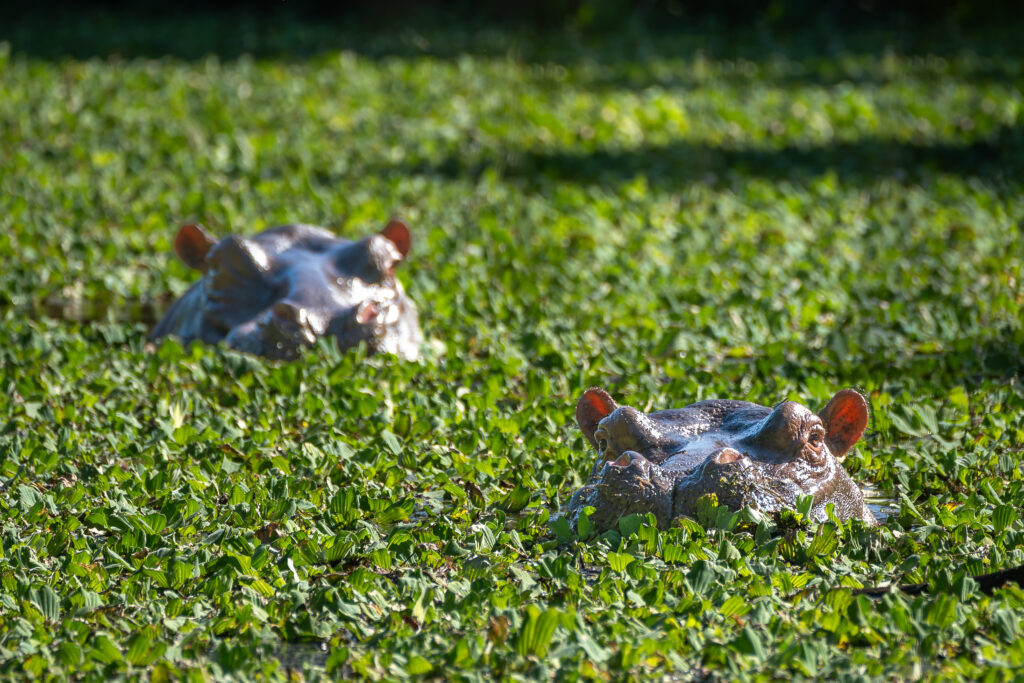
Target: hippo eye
column 602, row 445
column 816, row 439
column 813, row 450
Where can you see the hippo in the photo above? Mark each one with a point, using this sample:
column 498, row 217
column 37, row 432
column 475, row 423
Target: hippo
column 744, row 453
column 275, row 293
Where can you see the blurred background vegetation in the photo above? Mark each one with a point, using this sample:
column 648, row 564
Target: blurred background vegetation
column 302, row 27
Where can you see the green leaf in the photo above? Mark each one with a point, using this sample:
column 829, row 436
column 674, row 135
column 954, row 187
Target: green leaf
column 47, row 602
column 584, row 527
column 179, row 573
column 630, row 524
column 418, row 666
column 381, row 558
column 337, row 659
column 536, row 633
column 942, row 611
column 70, row 654
column 138, row 649
column 804, row 504
column 157, row 522
column 262, row 587
column 594, row 651
column 825, row 541
column 701, row 577
column 749, row 643
column 396, row 512
column 29, row 497
column 563, row 532
column 104, row 650
column 619, row 561
column 516, row 500
column 392, row 442
column 341, row 547
column 734, row 606
column 1003, row 516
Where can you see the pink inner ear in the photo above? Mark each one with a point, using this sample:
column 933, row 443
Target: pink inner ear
column 594, row 405
column 398, row 233
column 599, row 402
column 845, row 418
column 191, row 245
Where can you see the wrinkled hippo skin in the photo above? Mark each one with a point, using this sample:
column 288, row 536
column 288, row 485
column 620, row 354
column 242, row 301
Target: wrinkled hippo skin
column 275, row 293
column 744, row 453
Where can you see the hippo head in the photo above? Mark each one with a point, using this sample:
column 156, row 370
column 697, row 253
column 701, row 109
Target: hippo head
column 744, row 453
column 275, row 293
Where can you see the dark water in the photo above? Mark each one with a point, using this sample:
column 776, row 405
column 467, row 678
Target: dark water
column 295, row 656
column 882, row 506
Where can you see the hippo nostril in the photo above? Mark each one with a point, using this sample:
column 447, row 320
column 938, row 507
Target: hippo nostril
column 287, row 312
column 624, row 460
column 367, row 312
column 726, row 456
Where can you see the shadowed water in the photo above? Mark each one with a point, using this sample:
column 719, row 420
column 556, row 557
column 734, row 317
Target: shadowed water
column 295, row 656
column 79, row 309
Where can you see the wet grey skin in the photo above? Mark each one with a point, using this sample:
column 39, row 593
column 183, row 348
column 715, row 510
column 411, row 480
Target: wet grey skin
column 744, row 453
column 275, row 293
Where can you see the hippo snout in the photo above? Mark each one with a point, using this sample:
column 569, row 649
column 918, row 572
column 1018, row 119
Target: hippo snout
column 629, row 484
column 280, row 332
column 290, row 325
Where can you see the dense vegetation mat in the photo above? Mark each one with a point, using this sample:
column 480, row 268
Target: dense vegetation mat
column 674, row 216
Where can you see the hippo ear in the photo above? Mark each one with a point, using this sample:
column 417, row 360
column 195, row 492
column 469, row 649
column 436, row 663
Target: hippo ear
column 192, row 244
column 845, row 418
column 398, row 233
column 594, row 405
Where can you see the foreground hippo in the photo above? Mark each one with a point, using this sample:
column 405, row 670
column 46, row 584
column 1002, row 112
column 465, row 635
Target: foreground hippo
column 273, row 294
column 744, row 453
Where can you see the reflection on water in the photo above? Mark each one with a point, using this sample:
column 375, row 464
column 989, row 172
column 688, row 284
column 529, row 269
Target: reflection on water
column 882, row 506
column 116, row 309
column 295, row 656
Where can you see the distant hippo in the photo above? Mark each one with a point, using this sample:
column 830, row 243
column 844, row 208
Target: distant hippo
column 275, row 293
column 746, row 454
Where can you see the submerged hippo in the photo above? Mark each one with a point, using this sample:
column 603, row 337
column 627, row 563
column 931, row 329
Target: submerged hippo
column 744, row 453
column 273, row 294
